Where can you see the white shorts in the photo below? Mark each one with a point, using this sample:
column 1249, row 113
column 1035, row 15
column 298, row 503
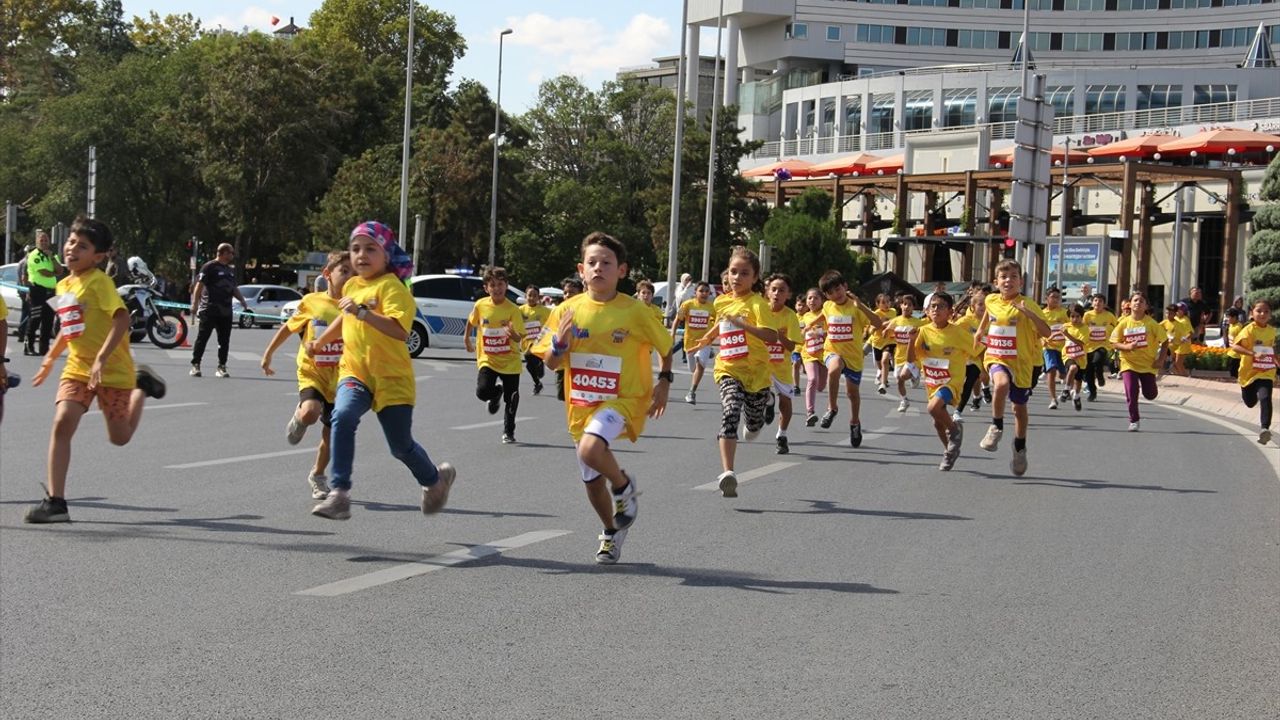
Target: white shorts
column 706, row 357
column 911, row 369
column 782, row 388
column 606, row 424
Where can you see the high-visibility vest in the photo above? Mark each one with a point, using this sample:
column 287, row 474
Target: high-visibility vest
column 37, row 261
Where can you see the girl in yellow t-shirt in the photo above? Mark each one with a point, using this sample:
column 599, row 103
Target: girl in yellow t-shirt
column 498, row 324
column 1101, row 322
column 797, row 363
column 695, row 314
column 783, row 319
column 1235, row 323
column 814, row 330
column 1140, row 341
column 898, row 329
column 375, row 371
column 968, row 313
column 881, row 340
column 1256, row 343
column 742, row 365
column 317, row 376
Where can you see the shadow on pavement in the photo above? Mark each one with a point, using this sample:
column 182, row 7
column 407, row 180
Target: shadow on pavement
column 96, row 503
column 212, row 524
column 825, row 507
column 1095, row 485
column 395, row 507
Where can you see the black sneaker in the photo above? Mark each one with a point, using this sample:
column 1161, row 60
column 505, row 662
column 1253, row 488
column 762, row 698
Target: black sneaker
column 986, row 395
column 768, row 414
column 783, row 447
column 811, row 420
column 855, row 435
column 50, row 510
column 1093, row 395
column 1075, row 400
column 537, row 388
column 493, row 404
column 149, row 382
column 827, row 417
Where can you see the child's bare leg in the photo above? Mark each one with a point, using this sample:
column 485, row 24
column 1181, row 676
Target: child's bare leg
column 1000, row 384
column 784, row 412
column 941, row 419
column 835, row 370
column 120, row 430
column 697, row 376
column 308, row 412
column 728, row 448
column 1020, row 421
column 66, row 419
column 855, row 402
column 322, row 453
column 903, row 374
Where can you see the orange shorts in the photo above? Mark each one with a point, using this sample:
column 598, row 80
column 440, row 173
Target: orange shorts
column 114, row 402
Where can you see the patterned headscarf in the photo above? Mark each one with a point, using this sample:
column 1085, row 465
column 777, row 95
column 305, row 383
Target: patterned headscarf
column 398, row 261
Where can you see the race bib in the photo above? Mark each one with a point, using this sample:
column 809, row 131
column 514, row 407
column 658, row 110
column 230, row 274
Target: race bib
column 775, row 352
column 1002, row 341
column 532, row 328
column 840, row 328
column 937, row 372
column 1097, row 333
column 593, row 379
column 698, row 320
column 733, row 341
column 1074, row 351
column 70, row 314
column 1137, row 336
column 813, row 341
column 902, row 334
column 329, row 354
column 1264, row 358
column 1055, row 332
column 497, row 341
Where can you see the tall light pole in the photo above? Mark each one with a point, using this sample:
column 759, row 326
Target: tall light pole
column 408, row 118
column 1065, row 212
column 497, row 139
column 673, row 239
column 711, row 162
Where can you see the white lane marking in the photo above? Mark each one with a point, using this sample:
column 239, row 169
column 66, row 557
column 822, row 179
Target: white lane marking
column 241, row 458
column 1268, row 452
column 436, row 365
column 869, row 435
column 420, row 378
column 408, row 570
column 157, row 407
column 752, row 474
column 491, row 423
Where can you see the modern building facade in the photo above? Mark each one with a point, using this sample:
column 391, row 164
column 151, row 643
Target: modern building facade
column 665, row 71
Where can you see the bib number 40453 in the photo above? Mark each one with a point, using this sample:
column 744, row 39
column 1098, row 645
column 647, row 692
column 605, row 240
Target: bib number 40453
column 593, row 378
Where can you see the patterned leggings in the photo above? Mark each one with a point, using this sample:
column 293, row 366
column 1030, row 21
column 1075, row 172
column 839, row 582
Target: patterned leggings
column 734, row 401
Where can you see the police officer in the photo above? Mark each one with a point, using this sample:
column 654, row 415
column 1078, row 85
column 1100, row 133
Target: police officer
column 42, row 278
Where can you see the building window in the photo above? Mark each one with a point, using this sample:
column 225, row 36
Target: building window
column 881, row 120
column 797, row 31
column 1002, row 104
column 1100, row 99
column 1159, row 97
column 875, row 33
column 852, row 115
column 833, row 33
column 1060, row 97
column 1209, row 94
column 917, row 111
column 960, row 107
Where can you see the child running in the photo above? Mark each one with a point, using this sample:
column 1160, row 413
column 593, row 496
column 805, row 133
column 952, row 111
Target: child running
column 900, row 329
column 1056, row 316
column 605, row 339
column 815, row 337
column 1012, row 326
column 644, row 291
column 797, row 362
column 784, row 319
column 742, row 366
column 95, row 327
column 571, row 287
column 1235, row 323
column 846, row 320
column 375, row 371
column 1256, row 344
column 1074, row 334
column 1101, row 322
column 943, row 349
column 695, row 314
column 535, row 317
column 882, row 341
column 317, row 376
column 1140, row 341
column 499, row 328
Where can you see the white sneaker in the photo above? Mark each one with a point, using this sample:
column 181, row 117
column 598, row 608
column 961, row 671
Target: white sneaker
column 1018, row 465
column 294, row 430
column 915, row 382
column 749, row 435
column 319, row 486
column 610, row 548
column 625, row 506
column 1264, row 436
column 991, row 441
column 691, row 398
column 903, row 405
column 882, row 389
column 728, row 483
column 957, row 416
column 221, row 372
column 195, row 371
column 335, row 506
column 1053, row 403
column 1133, row 427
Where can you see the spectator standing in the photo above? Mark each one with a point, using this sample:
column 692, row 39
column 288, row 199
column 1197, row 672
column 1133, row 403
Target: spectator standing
column 24, row 296
column 42, row 278
column 211, row 306
column 1198, row 312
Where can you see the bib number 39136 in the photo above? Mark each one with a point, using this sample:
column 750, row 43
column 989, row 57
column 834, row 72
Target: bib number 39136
column 593, row 378
column 1002, row 341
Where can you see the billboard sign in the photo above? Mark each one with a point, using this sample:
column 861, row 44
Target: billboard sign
column 1086, row 263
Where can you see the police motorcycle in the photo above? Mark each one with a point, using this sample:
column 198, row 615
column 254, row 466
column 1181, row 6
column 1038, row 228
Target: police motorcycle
column 164, row 326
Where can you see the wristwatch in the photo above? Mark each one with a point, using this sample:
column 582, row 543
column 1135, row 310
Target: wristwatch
column 362, row 311
column 667, row 375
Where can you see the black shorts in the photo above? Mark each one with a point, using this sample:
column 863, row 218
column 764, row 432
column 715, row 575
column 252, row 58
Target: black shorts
column 878, row 353
column 326, row 413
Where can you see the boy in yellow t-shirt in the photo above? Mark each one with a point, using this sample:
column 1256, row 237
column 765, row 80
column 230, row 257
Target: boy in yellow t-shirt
column 1101, row 322
column 1140, row 341
column 777, row 288
column 695, row 314
column 1074, row 333
column 1256, row 343
column 880, row 341
column 535, row 319
column 644, row 291
column 499, row 328
column 317, row 376
column 1056, row 316
column 942, row 349
column 846, row 320
column 1235, row 323
column 899, row 329
column 375, row 372
column 814, row 331
column 1012, row 328
column 95, row 328
column 605, row 339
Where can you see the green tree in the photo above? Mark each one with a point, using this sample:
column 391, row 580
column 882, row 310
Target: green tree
column 162, row 36
column 380, row 30
column 1263, row 251
column 806, row 242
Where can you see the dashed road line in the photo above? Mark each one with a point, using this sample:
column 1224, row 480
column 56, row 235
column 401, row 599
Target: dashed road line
column 149, row 408
column 491, row 423
column 240, row 458
column 750, row 475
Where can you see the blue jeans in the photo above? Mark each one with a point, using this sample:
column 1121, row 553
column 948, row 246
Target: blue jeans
column 354, row 400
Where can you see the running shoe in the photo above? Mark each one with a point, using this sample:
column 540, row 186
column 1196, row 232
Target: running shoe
column 827, row 417
column 1053, row 403
column 769, row 414
column 1075, row 401
column 151, row 384
column 1133, row 426
column 855, row 435
column 915, row 383
column 610, row 549
column 783, row 447
column 728, row 484
column 1065, row 395
column 881, row 389
column 1018, row 465
column 335, row 506
column 947, row 462
column 493, row 403
column 50, row 510
column 1092, row 396
column 955, row 438
column 795, row 391
column 294, row 430
column 691, row 398
column 957, row 416
column 903, row 405
column 625, row 505
column 811, row 420
column 222, row 372
column 986, row 395
column 195, row 371
column 749, row 435
column 319, row 485
column 435, row 496
column 977, row 403
column 1264, row 436
column 508, row 439
column 991, row 440
column 537, row 387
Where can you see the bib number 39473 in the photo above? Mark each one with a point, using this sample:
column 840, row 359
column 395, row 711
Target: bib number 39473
column 593, row 378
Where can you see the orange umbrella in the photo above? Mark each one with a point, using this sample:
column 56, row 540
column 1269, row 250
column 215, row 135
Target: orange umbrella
column 1221, row 142
column 797, row 168
column 843, row 165
column 886, row 166
column 1056, row 154
column 1135, row 147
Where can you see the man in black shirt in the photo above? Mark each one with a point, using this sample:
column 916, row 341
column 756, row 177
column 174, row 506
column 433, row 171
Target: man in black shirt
column 1197, row 310
column 211, row 305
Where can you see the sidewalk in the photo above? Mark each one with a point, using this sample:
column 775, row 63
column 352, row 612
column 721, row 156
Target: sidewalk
column 1213, row 395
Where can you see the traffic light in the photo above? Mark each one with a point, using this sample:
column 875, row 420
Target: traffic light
column 1010, row 246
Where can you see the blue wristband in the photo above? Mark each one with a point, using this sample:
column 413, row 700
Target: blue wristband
column 557, row 349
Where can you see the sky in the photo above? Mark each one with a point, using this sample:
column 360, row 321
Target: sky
column 590, row 40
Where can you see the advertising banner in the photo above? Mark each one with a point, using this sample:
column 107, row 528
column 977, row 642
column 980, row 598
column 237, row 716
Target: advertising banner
column 1085, row 264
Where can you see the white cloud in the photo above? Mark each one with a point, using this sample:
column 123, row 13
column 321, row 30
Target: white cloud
column 584, row 48
column 252, row 17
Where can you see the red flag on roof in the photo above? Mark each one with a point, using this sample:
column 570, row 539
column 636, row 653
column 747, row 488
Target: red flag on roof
column 274, row 21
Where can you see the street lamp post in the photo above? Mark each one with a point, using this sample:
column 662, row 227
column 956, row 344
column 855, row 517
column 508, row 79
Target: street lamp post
column 408, row 118
column 1066, row 210
column 673, row 237
column 497, row 138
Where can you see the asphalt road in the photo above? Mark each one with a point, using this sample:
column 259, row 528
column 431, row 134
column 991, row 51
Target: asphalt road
column 1125, row 576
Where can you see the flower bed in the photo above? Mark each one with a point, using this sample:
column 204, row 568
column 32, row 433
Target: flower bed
column 1204, row 357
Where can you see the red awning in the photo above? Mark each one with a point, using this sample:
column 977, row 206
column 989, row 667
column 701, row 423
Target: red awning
column 1221, row 142
column 886, row 166
column 1056, row 154
column 843, row 165
column 797, row 168
column 1135, row 147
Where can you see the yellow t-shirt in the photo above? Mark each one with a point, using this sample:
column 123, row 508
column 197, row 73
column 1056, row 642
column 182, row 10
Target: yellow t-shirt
column 742, row 356
column 898, row 332
column 497, row 346
column 1232, row 330
column 4, row 310
column 696, row 317
column 1100, row 326
column 846, row 326
column 86, row 323
column 942, row 354
column 787, row 323
column 535, row 318
column 878, row 337
column 608, row 362
column 1071, row 350
column 1012, row 339
column 1262, row 340
column 1148, row 334
column 657, row 311
column 376, row 359
column 316, row 312
column 1057, row 318
column 969, row 322
column 1185, row 331
column 814, row 338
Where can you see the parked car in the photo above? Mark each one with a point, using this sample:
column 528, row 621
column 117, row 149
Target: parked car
column 9, row 290
column 265, row 303
column 419, row 334
column 445, row 301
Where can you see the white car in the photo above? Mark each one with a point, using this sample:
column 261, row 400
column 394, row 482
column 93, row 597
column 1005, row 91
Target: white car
column 445, row 302
column 419, row 335
column 9, row 291
column 265, row 302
